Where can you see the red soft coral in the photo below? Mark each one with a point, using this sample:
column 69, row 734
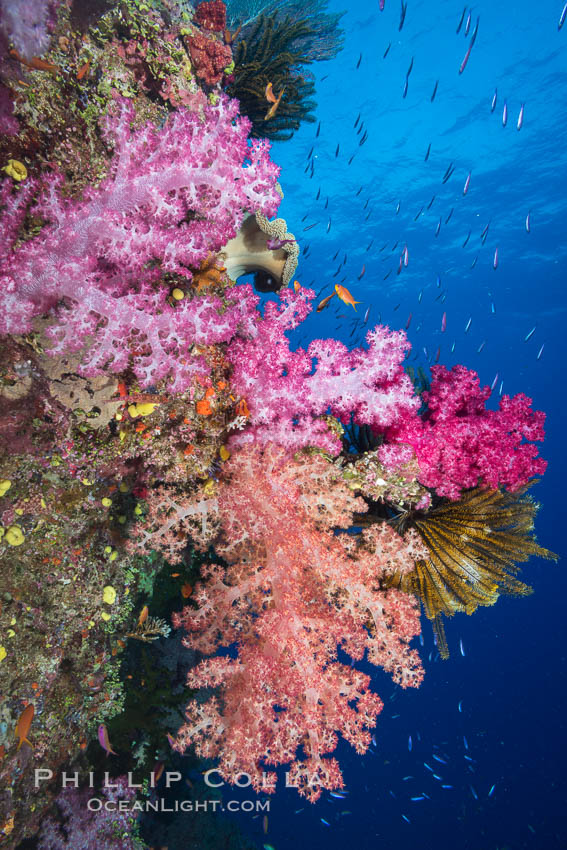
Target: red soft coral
column 209, row 58
column 293, row 593
column 211, row 15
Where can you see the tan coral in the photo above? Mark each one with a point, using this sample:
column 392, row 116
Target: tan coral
column 248, row 252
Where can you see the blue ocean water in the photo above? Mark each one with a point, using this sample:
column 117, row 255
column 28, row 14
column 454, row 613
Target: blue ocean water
column 510, row 683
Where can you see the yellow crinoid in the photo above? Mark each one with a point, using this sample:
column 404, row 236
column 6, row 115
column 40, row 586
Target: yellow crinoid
column 474, row 547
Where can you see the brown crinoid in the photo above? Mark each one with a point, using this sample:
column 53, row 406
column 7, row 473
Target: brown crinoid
column 474, row 547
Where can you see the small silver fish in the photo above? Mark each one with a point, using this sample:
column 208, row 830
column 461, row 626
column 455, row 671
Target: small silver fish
column 505, row 115
column 531, row 333
column 528, row 222
column 520, row 118
column 562, row 17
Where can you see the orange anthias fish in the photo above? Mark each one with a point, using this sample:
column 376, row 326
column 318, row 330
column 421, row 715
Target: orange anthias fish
column 345, row 296
column 270, row 94
column 273, row 108
column 324, row 303
column 24, row 723
column 296, row 285
column 35, row 63
column 143, row 615
column 84, row 70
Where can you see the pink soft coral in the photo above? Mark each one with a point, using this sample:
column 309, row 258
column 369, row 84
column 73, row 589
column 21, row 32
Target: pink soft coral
column 460, row 444
column 289, row 391
column 293, row 593
column 173, row 195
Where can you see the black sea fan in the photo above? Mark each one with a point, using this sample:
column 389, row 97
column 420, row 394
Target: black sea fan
column 474, row 547
column 269, row 54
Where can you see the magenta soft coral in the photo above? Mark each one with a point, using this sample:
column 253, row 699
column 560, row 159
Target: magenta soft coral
column 294, row 591
column 460, row 444
column 173, row 195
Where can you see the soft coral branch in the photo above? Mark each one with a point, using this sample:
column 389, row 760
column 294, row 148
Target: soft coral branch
column 172, row 196
column 293, row 593
column 460, row 444
column 289, row 391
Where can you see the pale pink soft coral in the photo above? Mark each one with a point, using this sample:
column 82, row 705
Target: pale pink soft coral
column 24, row 23
column 288, row 392
column 294, row 591
column 460, row 444
column 173, row 195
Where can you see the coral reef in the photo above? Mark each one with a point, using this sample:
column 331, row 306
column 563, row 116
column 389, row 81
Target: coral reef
column 166, row 455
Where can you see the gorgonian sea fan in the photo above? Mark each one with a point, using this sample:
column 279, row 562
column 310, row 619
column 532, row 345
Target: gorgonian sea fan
column 173, row 195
